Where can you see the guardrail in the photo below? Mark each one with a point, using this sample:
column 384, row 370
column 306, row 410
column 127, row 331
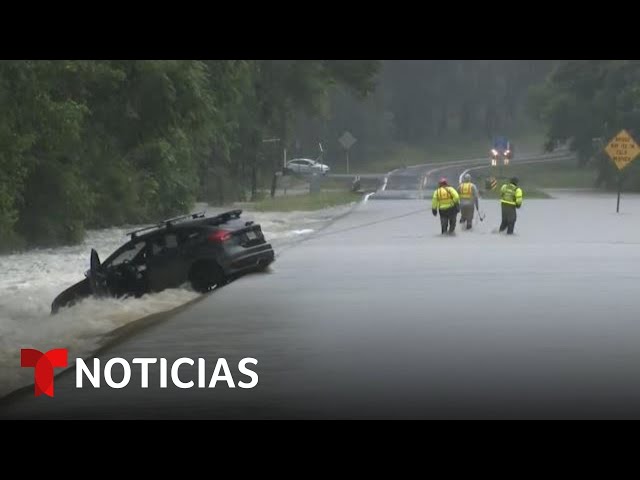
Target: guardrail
column 526, row 161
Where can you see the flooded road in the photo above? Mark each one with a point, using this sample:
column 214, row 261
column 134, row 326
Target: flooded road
column 30, row 281
column 378, row 316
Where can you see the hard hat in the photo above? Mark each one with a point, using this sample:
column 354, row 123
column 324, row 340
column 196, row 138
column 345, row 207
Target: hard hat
column 442, row 181
column 467, row 177
column 514, row 180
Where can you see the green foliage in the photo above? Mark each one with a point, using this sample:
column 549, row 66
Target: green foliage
column 93, row 143
column 587, row 102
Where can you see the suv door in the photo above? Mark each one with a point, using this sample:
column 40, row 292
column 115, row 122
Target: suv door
column 125, row 269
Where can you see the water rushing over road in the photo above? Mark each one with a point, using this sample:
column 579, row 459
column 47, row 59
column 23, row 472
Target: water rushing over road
column 30, row 281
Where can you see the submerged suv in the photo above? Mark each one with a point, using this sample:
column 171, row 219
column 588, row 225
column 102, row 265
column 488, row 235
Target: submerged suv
column 206, row 252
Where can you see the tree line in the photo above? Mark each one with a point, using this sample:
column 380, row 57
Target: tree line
column 585, row 103
column 429, row 101
column 97, row 143
column 94, row 143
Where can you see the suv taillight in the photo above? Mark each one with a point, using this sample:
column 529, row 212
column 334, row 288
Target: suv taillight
column 219, row 236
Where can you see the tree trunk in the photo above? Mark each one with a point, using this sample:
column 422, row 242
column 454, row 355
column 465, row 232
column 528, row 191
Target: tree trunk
column 254, row 180
column 274, row 184
column 276, row 158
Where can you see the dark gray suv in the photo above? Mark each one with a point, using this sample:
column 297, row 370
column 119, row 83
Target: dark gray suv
column 206, row 252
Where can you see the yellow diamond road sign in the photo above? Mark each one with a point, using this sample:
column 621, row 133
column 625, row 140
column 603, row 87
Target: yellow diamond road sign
column 622, row 149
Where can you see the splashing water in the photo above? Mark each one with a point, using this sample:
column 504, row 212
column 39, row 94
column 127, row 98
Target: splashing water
column 30, row 281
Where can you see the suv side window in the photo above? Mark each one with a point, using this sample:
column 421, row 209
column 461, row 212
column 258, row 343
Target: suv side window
column 128, row 252
column 164, row 244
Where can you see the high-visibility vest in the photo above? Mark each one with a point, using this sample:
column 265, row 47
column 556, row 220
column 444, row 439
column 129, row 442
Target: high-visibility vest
column 511, row 194
column 445, row 198
column 466, row 190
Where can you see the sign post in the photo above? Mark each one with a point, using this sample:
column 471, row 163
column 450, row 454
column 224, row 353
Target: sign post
column 623, row 150
column 347, row 141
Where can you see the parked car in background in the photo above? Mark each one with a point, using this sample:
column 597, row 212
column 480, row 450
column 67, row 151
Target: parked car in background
column 306, row 166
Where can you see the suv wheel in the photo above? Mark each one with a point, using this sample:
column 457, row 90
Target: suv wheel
column 206, row 275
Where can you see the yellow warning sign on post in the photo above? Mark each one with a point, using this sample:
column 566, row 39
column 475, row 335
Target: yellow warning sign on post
column 622, row 149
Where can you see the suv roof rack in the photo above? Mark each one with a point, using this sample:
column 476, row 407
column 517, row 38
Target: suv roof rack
column 192, row 216
column 224, row 217
column 165, row 223
column 218, row 219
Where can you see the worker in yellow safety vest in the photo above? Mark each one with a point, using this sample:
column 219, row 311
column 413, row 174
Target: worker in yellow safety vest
column 468, row 201
column 510, row 201
column 447, row 201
